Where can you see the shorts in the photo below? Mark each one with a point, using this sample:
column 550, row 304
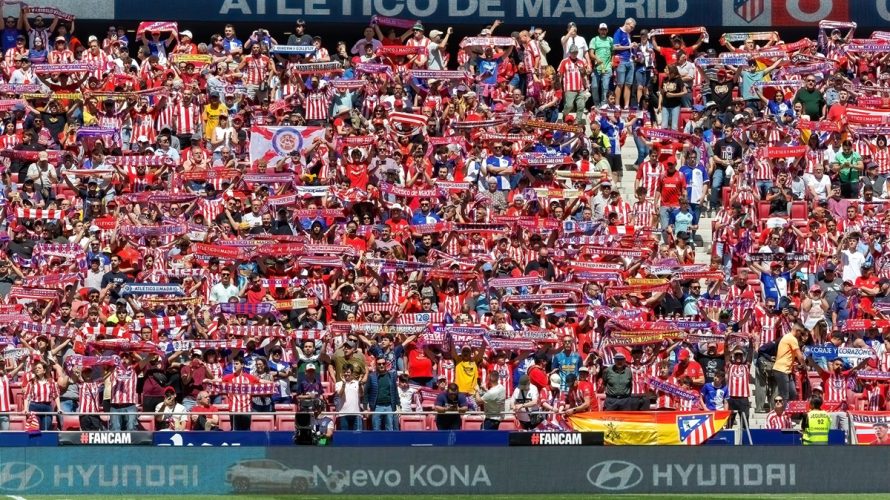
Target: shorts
column 615, row 163
column 624, row 75
column 642, row 75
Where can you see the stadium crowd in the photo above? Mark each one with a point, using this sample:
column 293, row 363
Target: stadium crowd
column 409, row 223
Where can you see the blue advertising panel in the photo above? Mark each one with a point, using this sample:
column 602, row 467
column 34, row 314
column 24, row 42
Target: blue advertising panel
column 733, row 15
column 230, row 438
column 120, row 470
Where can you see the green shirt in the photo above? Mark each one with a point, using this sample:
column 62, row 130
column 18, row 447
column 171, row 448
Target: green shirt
column 384, row 389
column 848, row 173
column 812, row 102
column 617, row 383
column 602, row 49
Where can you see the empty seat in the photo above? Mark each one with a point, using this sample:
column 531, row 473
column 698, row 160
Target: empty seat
column 262, row 423
column 509, row 424
column 413, row 422
column 284, row 408
column 471, row 422
column 798, row 210
column 147, row 422
column 225, row 422
column 285, row 422
column 70, row 423
column 17, row 422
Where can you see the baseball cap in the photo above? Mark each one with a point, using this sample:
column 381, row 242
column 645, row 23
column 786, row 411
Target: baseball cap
column 435, row 33
column 186, row 33
column 603, row 26
column 310, row 366
column 555, row 381
column 830, row 268
column 142, row 138
column 683, row 356
column 199, row 352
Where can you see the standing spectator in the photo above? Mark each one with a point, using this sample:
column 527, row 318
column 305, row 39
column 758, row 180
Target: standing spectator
column 43, row 395
column 671, row 187
column 450, row 405
column 811, row 98
column 123, row 380
column 573, row 71
column 623, row 47
column 572, row 39
column 349, row 395
column 493, row 401
column 240, row 402
column 787, row 354
column 566, row 362
column 381, row 397
column 618, row 381
column 599, row 55
column 671, row 98
column 526, row 404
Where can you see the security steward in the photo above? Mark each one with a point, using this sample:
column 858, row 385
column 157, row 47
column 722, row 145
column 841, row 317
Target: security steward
column 816, row 424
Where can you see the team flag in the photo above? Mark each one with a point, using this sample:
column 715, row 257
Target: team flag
column 271, row 144
column 652, row 427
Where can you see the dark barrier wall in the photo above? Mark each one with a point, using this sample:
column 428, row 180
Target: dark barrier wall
column 199, row 470
column 738, row 15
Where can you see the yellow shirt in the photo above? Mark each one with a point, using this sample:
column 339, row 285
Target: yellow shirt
column 466, row 374
column 211, row 118
column 785, row 355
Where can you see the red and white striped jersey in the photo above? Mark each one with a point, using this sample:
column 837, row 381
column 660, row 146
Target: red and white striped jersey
column 811, row 247
column 397, row 292
column 640, row 378
column 101, row 59
column 143, row 124
column 663, row 399
column 256, row 69
column 863, row 147
column 881, row 156
column 531, row 56
column 13, row 55
column 186, row 118
column 623, row 210
column 240, row 403
column 875, row 397
column 63, row 56
column 317, row 103
column 89, row 394
column 768, row 325
column 643, row 214
column 5, row 394
column 775, row 421
column 445, row 368
column 123, row 388
column 885, row 361
column 763, row 170
column 648, row 175
column 834, row 387
column 43, row 391
column 572, row 78
column 737, row 375
column 421, row 59
column 452, row 304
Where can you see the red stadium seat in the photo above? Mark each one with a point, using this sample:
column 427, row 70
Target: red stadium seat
column 225, row 422
column 509, row 424
column 763, row 209
column 17, row 422
column 799, row 211
column 471, row 422
column 262, row 423
column 724, row 196
column 413, row 423
column 284, row 408
column 285, row 422
column 70, row 423
column 147, row 422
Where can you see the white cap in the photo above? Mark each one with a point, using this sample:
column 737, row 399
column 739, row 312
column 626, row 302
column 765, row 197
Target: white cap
column 92, row 38
column 555, row 381
column 186, row 33
column 396, row 206
column 142, row 138
column 604, row 26
column 435, row 33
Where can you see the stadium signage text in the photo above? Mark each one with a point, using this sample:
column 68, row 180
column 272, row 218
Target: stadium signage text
column 435, row 476
column 617, row 475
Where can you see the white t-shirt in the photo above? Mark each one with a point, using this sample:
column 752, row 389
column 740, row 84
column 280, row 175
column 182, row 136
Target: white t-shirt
column 220, row 294
column 820, row 187
column 178, row 419
column 577, row 41
column 530, row 395
column 349, row 402
column 852, row 262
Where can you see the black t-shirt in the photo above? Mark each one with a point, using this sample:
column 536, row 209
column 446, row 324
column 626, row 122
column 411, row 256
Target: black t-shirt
column 675, row 85
column 710, row 365
column 344, row 308
column 728, row 150
column 721, row 93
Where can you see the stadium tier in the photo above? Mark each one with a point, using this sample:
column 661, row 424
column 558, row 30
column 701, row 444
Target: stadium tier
column 630, row 233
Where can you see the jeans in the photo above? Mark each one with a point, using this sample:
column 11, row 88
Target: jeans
column 67, row 406
column 717, row 187
column 763, row 187
column 642, row 150
column 764, row 386
column 624, row 74
column 349, row 422
column 840, row 421
column 490, row 424
column 383, row 419
column 123, row 418
column 189, row 402
column 46, row 420
column 599, row 86
column 725, row 255
column 240, row 422
column 695, row 208
column 670, row 118
column 664, row 217
column 4, row 422
column 785, row 385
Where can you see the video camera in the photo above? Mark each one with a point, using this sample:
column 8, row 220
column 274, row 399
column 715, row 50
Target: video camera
column 306, row 432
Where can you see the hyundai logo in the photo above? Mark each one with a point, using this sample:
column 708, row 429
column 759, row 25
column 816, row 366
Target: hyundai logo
column 18, row 476
column 614, row 475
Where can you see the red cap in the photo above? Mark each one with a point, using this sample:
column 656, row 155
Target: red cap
column 683, row 356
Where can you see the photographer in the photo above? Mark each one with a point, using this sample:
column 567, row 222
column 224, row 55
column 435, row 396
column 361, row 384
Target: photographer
column 450, row 405
column 312, row 428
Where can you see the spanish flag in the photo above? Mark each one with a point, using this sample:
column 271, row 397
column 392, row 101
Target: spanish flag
column 651, row 427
